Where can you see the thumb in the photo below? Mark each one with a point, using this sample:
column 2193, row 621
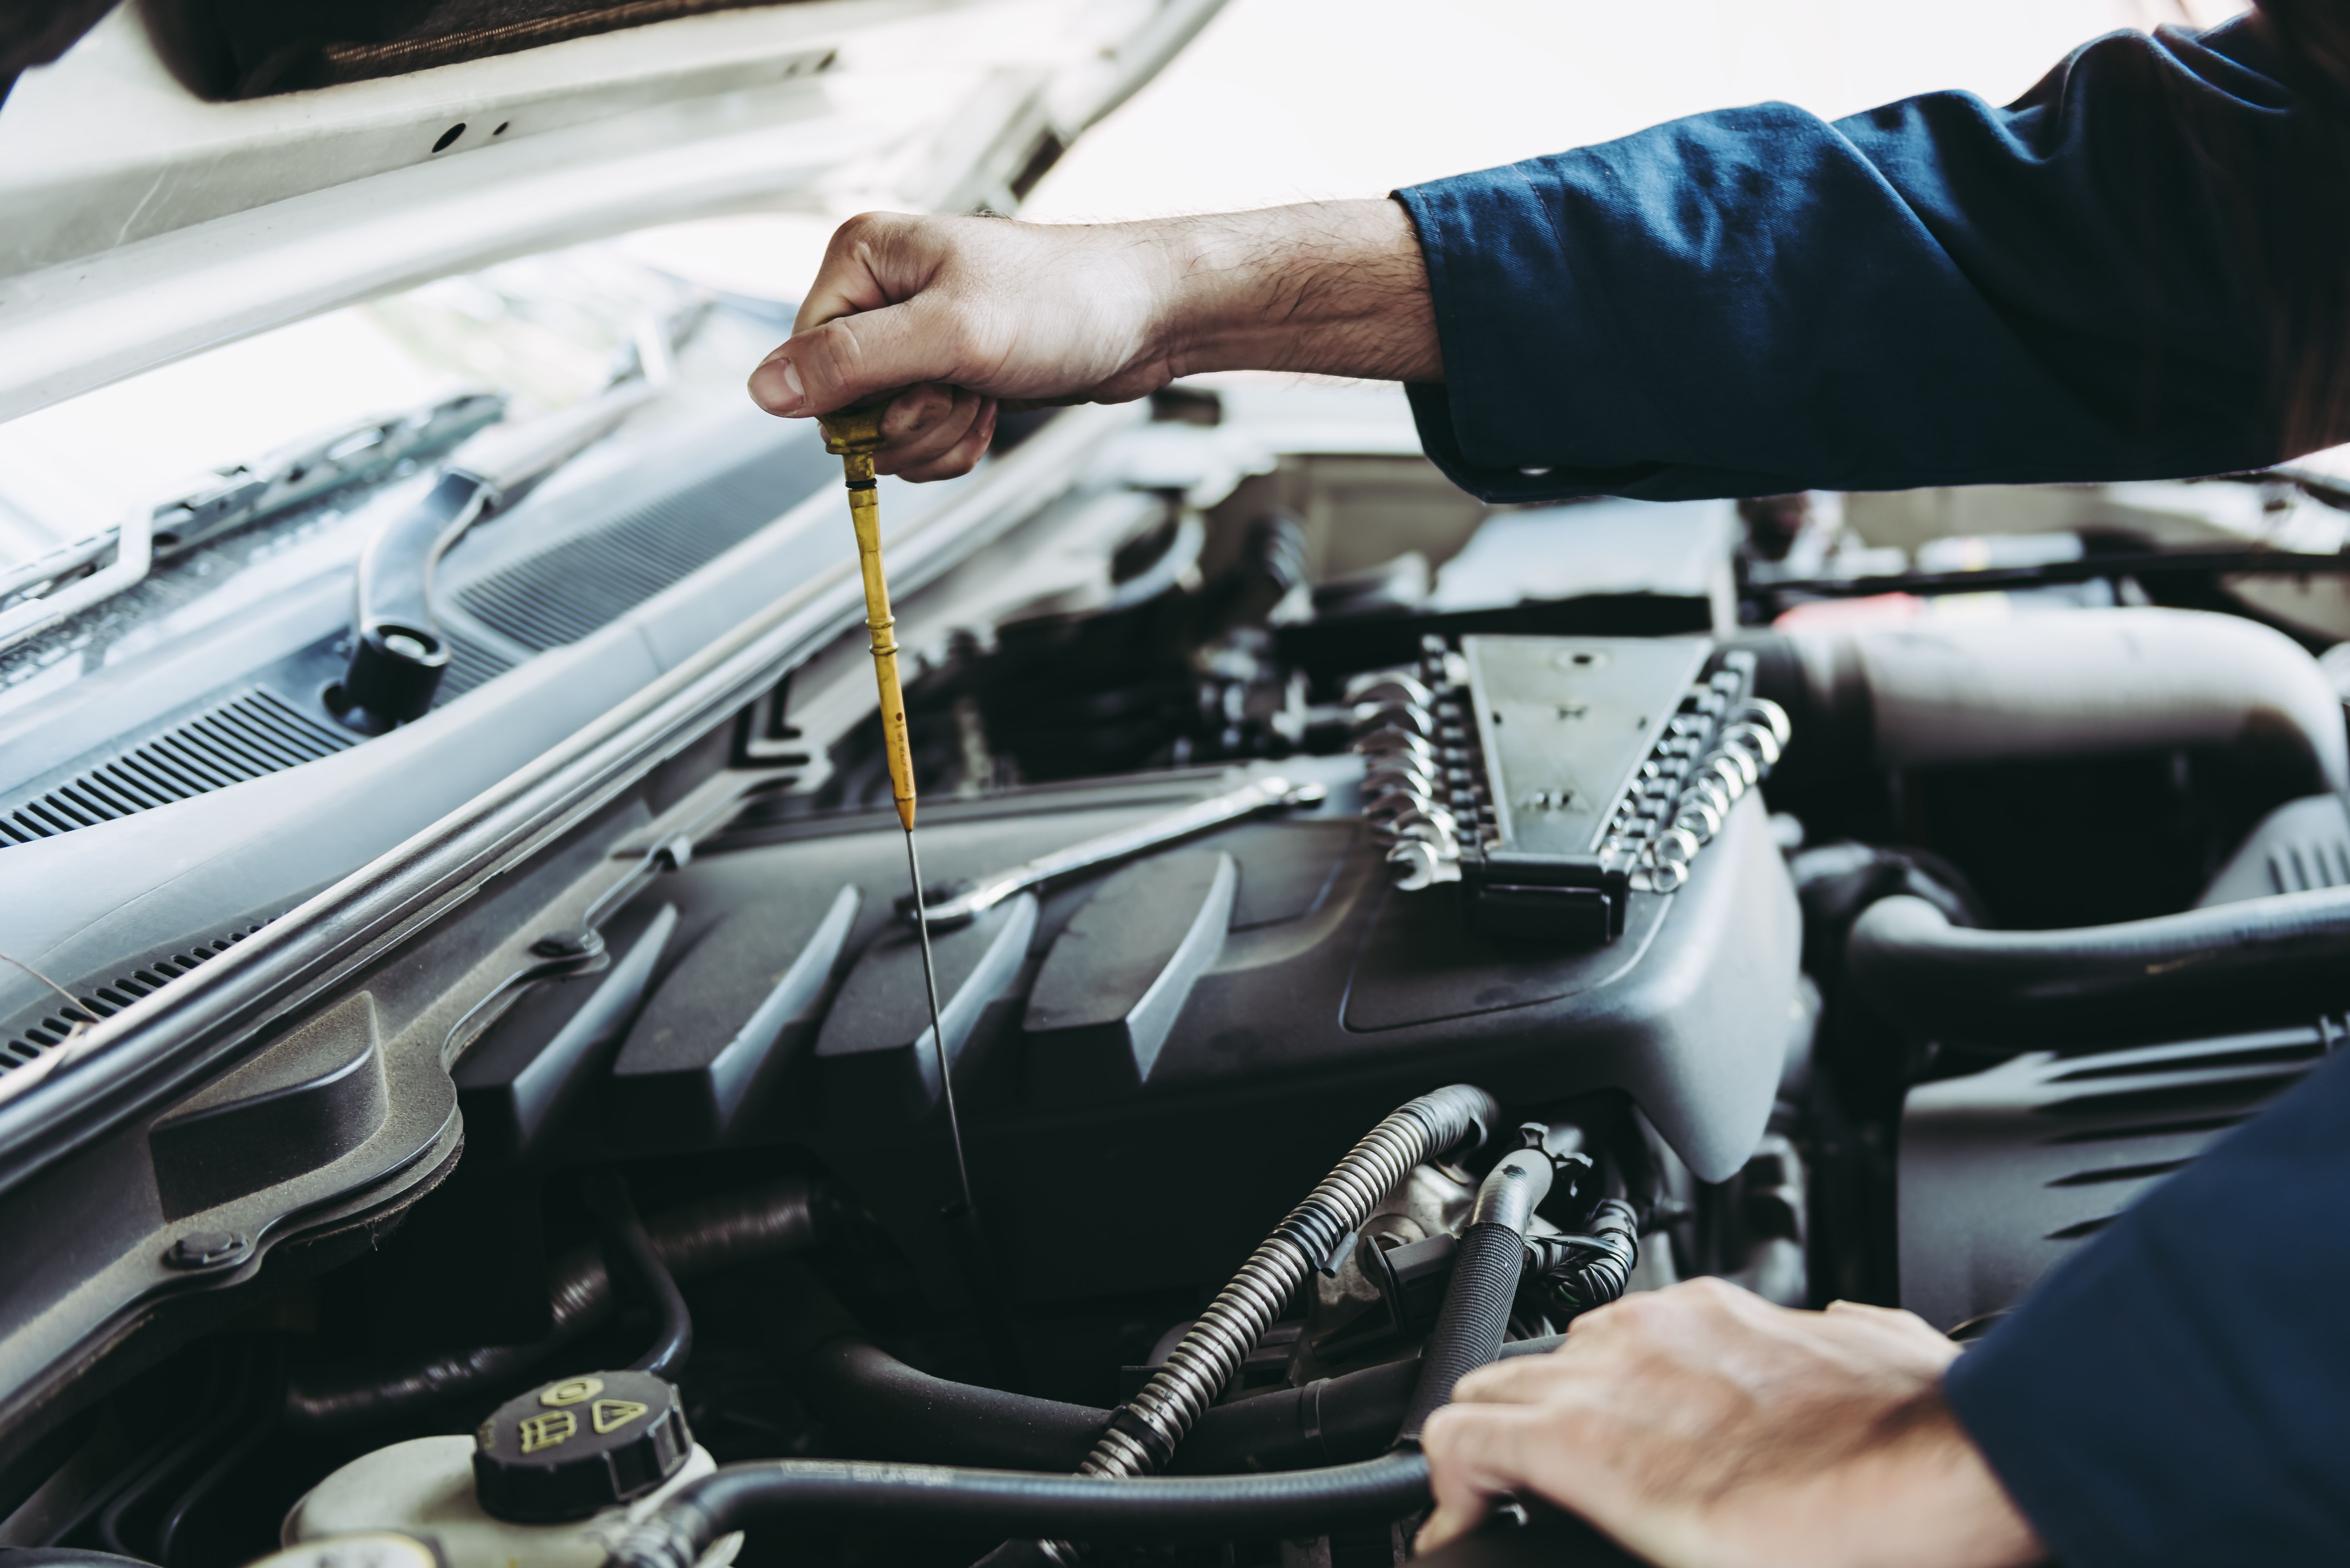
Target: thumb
column 1458, row 1441
column 854, row 357
column 1453, row 1519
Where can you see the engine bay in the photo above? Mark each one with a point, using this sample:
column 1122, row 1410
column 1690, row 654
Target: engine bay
column 1762, row 907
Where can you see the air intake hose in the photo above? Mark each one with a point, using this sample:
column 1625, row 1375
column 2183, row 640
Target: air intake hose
column 2073, row 684
column 2280, row 956
column 1475, row 1317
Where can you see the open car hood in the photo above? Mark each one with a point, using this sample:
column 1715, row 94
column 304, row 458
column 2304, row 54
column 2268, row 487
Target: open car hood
column 141, row 222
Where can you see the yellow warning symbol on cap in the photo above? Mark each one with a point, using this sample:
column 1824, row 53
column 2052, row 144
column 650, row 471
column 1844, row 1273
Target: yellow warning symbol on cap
column 545, row 1431
column 611, row 1415
column 572, row 1391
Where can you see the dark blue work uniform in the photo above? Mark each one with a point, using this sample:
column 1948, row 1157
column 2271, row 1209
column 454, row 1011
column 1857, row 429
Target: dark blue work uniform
column 2104, row 281
column 2118, row 277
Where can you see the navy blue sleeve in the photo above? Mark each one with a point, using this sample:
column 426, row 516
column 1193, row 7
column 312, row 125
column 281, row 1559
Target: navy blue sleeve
column 2110, row 279
column 2178, row 1393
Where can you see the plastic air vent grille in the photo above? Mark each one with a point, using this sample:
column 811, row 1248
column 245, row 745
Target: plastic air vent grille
column 255, row 733
column 36, row 1039
column 2305, row 867
column 470, row 664
column 584, row 583
column 2005, row 1171
column 2172, row 1090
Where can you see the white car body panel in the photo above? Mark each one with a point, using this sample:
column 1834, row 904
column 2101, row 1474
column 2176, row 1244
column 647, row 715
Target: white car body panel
column 139, row 224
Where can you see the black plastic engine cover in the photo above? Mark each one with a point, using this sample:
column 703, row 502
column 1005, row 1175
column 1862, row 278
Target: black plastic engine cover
column 1237, row 1073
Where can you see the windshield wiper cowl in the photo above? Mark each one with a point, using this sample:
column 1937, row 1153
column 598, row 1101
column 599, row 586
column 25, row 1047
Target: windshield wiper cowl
column 398, row 650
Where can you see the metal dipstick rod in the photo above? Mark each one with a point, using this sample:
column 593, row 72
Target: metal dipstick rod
column 854, row 435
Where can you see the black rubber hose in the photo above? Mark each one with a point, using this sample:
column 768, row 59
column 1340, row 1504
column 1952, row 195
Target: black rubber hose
column 260, row 1412
column 885, row 1409
column 212, row 1417
column 397, row 652
column 877, row 1407
column 888, row 1409
column 636, row 1269
column 880, row 1405
column 1333, row 1421
column 1472, row 1323
column 1475, row 1317
column 777, row 1217
column 2281, row 956
column 942, row 1500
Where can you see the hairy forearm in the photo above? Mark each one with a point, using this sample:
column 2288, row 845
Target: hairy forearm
column 1336, row 288
column 949, row 317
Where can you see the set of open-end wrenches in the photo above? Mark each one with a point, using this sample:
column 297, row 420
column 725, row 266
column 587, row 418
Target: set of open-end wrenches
column 1724, row 742
column 1421, row 794
column 1429, row 786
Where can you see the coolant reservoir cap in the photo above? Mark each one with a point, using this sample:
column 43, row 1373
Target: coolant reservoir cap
column 569, row 1448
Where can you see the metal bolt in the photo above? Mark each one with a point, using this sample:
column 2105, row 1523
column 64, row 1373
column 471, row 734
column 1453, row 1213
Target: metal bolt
column 205, row 1249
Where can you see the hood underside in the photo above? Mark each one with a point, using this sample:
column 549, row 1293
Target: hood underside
column 141, row 221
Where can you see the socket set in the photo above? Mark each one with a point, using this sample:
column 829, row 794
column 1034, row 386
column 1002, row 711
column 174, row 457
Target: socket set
column 1551, row 777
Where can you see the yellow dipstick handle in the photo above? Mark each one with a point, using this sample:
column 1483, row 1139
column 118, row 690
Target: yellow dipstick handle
column 854, row 435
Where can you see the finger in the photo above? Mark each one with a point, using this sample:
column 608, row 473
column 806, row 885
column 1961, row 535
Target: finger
column 1484, row 1448
column 858, row 271
column 1449, row 1523
column 964, row 455
column 1456, row 1478
column 1521, row 1380
column 849, row 282
column 915, row 412
column 1478, row 1453
column 1572, row 1458
column 856, row 355
column 776, row 385
column 923, row 425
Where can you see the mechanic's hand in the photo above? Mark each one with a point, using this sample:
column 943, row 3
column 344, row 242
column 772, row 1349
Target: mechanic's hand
column 973, row 313
column 1704, row 1427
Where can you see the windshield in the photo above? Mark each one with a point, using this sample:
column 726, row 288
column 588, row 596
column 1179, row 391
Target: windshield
column 263, row 452
column 544, row 332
